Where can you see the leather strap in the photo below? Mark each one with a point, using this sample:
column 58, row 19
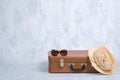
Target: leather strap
column 78, row 70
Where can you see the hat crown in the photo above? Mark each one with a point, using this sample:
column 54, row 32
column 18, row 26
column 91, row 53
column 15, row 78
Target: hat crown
column 102, row 59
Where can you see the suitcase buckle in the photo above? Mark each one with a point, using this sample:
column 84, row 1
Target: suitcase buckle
column 61, row 63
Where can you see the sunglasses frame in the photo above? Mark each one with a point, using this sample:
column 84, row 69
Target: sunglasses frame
column 55, row 52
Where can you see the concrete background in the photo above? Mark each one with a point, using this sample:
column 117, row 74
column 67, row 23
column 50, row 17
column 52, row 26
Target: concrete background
column 29, row 28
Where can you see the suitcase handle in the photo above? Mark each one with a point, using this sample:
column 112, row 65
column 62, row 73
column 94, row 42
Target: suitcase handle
column 77, row 69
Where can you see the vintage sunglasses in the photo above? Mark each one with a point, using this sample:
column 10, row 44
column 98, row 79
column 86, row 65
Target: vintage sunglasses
column 55, row 52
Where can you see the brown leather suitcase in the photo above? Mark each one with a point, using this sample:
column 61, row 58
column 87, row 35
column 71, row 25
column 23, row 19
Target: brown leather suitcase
column 74, row 61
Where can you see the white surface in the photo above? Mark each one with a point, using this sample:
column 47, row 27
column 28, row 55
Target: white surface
column 40, row 72
column 29, row 28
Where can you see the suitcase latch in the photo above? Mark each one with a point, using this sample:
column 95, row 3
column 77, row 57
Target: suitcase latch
column 61, row 63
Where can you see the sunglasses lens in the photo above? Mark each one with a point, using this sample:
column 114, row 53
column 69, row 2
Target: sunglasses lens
column 63, row 52
column 54, row 52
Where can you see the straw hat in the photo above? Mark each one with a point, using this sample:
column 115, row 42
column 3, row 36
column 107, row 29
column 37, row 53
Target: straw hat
column 102, row 60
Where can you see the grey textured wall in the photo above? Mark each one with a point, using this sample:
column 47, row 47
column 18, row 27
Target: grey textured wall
column 29, row 28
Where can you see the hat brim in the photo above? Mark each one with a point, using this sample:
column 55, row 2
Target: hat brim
column 113, row 69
